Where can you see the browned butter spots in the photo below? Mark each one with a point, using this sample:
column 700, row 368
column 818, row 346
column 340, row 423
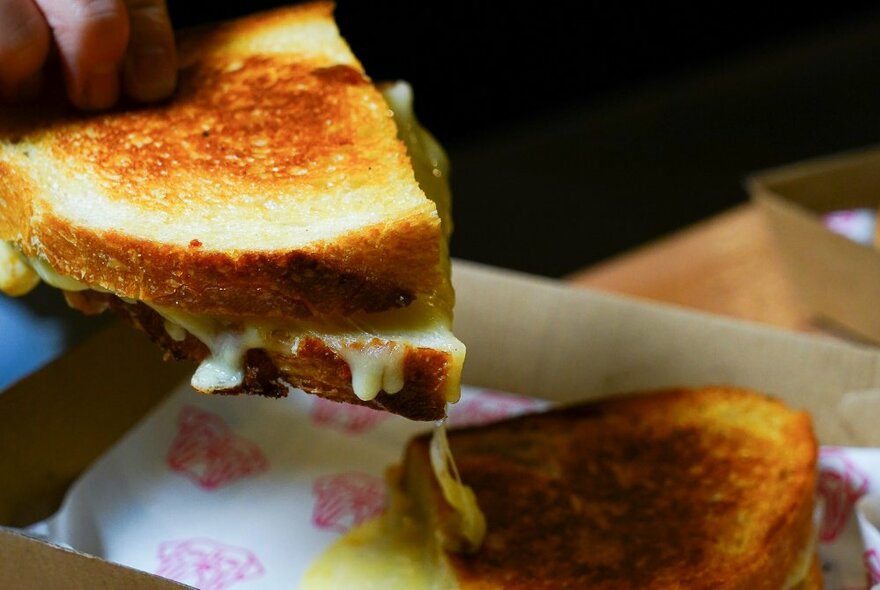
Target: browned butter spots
column 235, row 125
column 603, row 507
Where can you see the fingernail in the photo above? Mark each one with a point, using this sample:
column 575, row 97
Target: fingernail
column 150, row 74
column 101, row 88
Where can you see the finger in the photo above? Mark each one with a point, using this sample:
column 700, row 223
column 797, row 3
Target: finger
column 24, row 45
column 150, row 66
column 91, row 36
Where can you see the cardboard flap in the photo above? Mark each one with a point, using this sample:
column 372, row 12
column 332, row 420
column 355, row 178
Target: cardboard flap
column 51, row 566
column 835, row 278
column 547, row 340
column 840, row 181
column 859, row 410
column 54, row 423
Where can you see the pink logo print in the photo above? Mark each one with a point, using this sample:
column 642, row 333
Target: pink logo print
column 349, row 418
column 490, row 406
column 206, row 564
column 841, row 483
column 345, row 500
column 872, row 564
column 209, row 453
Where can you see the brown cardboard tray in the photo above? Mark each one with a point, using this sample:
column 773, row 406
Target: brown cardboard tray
column 524, row 334
column 835, row 279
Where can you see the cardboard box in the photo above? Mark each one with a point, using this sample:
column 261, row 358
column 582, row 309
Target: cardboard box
column 524, row 334
column 835, row 278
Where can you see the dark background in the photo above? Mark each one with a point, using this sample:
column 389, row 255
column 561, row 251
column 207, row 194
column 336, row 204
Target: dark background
column 577, row 131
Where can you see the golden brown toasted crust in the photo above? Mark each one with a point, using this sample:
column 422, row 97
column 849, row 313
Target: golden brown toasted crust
column 243, row 125
column 314, row 368
column 14, row 212
column 695, row 489
column 289, row 284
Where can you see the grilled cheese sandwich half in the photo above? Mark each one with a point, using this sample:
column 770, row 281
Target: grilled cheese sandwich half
column 710, row 488
column 278, row 221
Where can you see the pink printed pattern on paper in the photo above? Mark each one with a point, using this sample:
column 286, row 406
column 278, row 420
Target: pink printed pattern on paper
column 206, row 564
column 209, row 453
column 855, row 224
column 490, row 406
column 872, row 564
column 345, row 500
column 349, row 418
column 841, row 483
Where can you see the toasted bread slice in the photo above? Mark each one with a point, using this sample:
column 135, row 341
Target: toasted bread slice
column 268, row 206
column 273, row 183
column 709, row 488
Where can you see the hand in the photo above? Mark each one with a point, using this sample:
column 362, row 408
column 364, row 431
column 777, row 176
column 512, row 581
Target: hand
column 102, row 45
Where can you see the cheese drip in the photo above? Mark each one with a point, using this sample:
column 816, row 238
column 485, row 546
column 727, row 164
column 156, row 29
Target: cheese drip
column 224, row 367
column 399, row 550
column 395, row 551
column 471, row 527
column 429, row 161
column 374, row 368
column 376, row 365
column 51, row 277
column 16, row 275
column 374, row 345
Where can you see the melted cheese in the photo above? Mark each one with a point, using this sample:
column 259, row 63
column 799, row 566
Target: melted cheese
column 373, row 344
column 176, row 333
column 429, row 161
column 373, row 368
column 398, row 550
column 51, row 277
column 392, row 552
column 807, row 555
column 19, row 274
column 224, row 367
column 16, row 275
column 461, row 498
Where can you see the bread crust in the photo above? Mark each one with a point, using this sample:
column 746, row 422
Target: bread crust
column 314, row 368
column 265, row 284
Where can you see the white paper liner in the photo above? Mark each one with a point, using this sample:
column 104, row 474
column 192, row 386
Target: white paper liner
column 856, row 224
column 244, row 493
